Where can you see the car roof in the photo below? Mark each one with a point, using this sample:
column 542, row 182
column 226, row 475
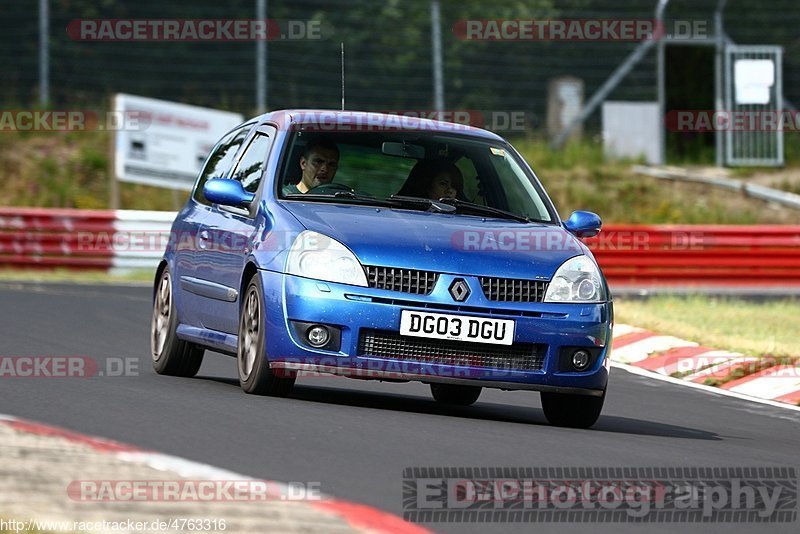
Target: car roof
column 329, row 120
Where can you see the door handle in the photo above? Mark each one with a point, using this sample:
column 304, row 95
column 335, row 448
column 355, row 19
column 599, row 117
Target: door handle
column 203, row 238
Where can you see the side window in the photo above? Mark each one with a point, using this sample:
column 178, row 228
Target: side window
column 220, row 160
column 520, row 195
column 251, row 165
column 471, row 188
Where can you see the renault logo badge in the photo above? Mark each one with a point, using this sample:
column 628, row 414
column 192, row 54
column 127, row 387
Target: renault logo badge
column 459, row 290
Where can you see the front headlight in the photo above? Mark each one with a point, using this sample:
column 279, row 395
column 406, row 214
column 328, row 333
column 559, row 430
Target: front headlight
column 315, row 255
column 577, row 280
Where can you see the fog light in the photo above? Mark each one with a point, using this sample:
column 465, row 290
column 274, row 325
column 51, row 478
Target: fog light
column 317, row 336
column 581, row 359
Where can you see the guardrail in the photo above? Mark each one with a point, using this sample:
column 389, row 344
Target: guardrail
column 82, row 239
column 628, row 254
column 725, row 255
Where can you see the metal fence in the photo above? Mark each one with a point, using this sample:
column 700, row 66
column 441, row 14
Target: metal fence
column 754, row 147
column 389, row 56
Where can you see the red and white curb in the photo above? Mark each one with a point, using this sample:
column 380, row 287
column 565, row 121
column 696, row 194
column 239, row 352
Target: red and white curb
column 658, row 356
column 358, row 516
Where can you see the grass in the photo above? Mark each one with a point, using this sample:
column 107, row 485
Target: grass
column 71, row 170
column 580, row 178
column 752, row 328
column 84, row 277
column 68, row 170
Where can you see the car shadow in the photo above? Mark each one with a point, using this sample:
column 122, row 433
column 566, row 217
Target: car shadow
column 488, row 411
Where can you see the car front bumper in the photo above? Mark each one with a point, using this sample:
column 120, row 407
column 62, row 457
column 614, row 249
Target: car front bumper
column 360, row 312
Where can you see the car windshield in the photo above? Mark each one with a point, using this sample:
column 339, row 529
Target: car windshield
column 460, row 175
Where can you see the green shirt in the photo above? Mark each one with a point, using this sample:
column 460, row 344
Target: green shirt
column 291, row 189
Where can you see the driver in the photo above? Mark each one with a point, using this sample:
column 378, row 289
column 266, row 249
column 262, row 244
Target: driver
column 319, row 163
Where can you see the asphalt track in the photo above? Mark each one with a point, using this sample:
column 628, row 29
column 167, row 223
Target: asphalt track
column 355, row 437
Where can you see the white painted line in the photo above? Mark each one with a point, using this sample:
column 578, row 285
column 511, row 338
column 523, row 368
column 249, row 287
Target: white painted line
column 640, row 350
column 139, row 230
column 705, row 359
column 624, row 330
column 181, row 466
column 708, row 389
column 729, row 364
column 119, row 264
column 771, row 386
column 140, row 215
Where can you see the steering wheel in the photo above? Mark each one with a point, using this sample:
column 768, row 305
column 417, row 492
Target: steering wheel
column 330, row 188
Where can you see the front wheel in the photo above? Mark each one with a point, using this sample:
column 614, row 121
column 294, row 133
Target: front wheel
column 575, row 411
column 171, row 356
column 454, row 394
column 255, row 375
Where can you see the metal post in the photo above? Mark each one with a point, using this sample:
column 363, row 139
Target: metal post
column 662, row 99
column 604, row 90
column 113, row 190
column 719, row 97
column 342, row 45
column 261, row 61
column 613, row 81
column 779, row 156
column 44, row 53
column 438, row 77
column 662, row 80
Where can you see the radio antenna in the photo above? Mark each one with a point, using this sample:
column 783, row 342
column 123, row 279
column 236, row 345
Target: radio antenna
column 342, row 76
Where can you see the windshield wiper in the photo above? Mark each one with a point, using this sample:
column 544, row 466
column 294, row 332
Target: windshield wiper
column 338, row 196
column 395, row 201
column 399, row 201
column 485, row 210
column 432, row 205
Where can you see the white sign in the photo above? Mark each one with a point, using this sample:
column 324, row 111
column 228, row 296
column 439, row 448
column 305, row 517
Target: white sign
column 166, row 143
column 753, row 79
column 633, row 130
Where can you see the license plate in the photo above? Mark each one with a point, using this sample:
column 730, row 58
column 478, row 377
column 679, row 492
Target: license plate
column 456, row 327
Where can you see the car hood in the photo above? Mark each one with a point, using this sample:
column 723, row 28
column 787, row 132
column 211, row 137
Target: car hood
column 446, row 243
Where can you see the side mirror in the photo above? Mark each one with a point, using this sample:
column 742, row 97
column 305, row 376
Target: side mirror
column 227, row 193
column 583, row 224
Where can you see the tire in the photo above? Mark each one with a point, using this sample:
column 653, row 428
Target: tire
column 255, row 375
column 171, row 356
column 574, row 411
column 455, row 395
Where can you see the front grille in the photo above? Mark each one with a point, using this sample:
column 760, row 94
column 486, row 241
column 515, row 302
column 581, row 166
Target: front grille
column 393, row 346
column 513, row 290
column 404, row 280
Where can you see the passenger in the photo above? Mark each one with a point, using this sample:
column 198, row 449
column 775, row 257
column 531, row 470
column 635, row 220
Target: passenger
column 434, row 180
column 319, row 163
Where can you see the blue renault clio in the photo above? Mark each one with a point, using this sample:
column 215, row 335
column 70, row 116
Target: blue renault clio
column 382, row 247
